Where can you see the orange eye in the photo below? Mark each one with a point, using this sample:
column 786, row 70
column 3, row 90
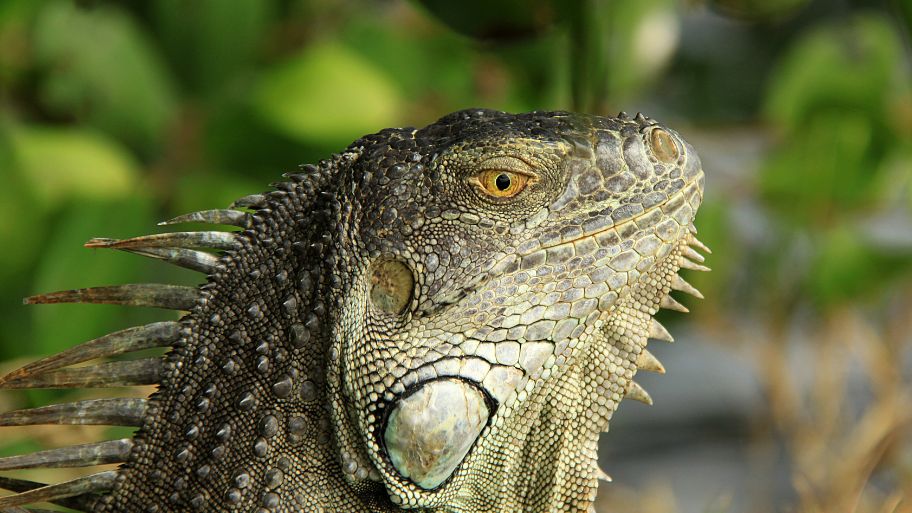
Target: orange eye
column 502, row 184
column 663, row 146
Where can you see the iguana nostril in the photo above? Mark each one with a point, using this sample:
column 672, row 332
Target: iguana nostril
column 391, row 287
column 429, row 432
column 663, row 145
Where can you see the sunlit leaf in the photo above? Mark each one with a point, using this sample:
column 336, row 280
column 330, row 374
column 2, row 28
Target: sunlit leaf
column 63, row 163
column 328, row 93
column 411, row 58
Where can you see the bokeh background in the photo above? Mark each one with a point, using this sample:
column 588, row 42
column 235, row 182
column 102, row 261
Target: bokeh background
column 788, row 389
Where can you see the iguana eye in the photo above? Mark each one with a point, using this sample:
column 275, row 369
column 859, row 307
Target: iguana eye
column 501, row 183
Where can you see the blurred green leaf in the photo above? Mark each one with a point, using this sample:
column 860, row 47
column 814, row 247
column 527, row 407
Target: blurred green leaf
column 64, row 163
column 411, row 59
column 846, row 67
column 848, row 269
column 100, row 67
column 826, row 172
column 328, row 94
column 209, row 42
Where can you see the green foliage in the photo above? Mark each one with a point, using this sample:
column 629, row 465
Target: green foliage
column 833, row 101
column 327, row 93
column 62, row 163
column 113, row 80
column 847, row 66
column 208, row 43
column 846, row 268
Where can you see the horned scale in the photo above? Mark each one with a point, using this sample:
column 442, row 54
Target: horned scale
column 326, row 366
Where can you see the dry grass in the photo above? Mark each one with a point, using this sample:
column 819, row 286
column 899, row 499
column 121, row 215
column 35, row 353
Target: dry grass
column 838, row 403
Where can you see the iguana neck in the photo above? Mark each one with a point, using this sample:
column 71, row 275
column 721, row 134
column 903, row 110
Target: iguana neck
column 248, row 426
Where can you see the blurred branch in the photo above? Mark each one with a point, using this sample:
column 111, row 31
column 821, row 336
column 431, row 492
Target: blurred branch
column 588, row 52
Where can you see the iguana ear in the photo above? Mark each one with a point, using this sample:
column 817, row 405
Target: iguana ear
column 202, row 251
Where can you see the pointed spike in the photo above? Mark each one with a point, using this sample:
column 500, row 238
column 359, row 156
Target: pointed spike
column 678, row 283
column 21, row 485
column 648, row 362
column 669, row 303
column 692, row 229
column 147, row 371
column 601, row 475
column 87, row 455
column 18, row 485
column 218, row 216
column 251, row 201
column 104, row 412
column 96, row 483
column 157, row 334
column 157, row 295
column 702, row 247
column 693, row 266
column 692, row 254
column 658, row 332
column 638, row 393
column 189, row 258
column 187, row 240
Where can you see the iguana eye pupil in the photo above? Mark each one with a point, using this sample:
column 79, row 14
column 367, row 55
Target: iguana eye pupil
column 502, row 182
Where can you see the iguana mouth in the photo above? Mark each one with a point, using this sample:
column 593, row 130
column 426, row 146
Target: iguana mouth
column 693, row 186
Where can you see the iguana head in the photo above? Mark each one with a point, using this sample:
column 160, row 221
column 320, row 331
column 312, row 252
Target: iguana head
column 443, row 318
column 491, row 251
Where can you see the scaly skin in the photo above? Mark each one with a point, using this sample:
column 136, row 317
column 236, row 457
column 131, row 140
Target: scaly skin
column 399, row 269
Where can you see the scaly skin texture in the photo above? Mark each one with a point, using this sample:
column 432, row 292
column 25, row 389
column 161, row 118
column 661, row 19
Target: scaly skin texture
column 396, row 266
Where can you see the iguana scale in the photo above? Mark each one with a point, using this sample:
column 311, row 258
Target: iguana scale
column 441, row 319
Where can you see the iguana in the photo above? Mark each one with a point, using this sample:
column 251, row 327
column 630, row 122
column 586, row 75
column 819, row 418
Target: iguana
column 441, row 319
